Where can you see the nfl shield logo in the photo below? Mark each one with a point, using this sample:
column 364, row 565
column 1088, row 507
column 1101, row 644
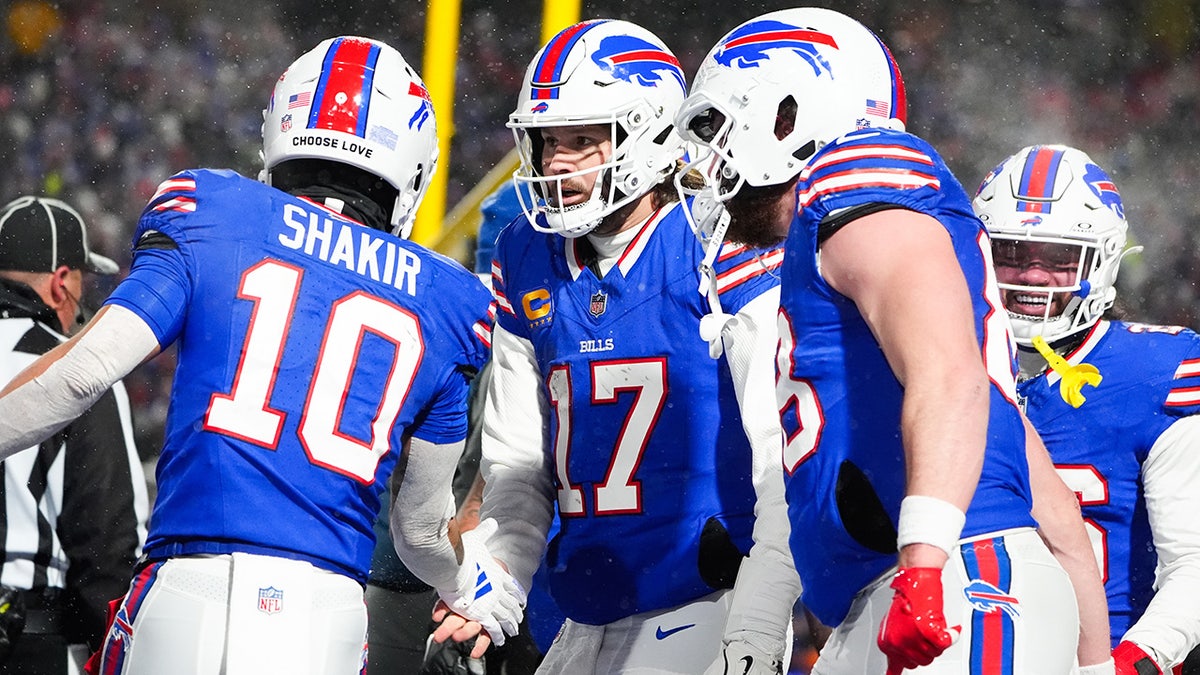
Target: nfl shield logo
column 270, row 600
column 286, row 123
column 599, row 303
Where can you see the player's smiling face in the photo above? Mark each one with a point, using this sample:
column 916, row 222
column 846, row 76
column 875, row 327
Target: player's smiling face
column 1040, row 265
column 568, row 150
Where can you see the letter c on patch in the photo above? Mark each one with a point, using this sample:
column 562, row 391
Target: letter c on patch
column 536, row 304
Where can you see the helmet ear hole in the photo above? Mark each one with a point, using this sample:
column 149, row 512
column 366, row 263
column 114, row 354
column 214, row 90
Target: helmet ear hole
column 785, row 118
column 418, row 177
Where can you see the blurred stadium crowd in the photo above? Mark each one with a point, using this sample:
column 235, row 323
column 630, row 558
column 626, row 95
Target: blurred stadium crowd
column 100, row 101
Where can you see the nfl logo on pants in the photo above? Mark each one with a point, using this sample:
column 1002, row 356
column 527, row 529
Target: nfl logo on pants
column 270, row 600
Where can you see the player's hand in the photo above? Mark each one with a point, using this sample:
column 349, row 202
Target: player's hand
column 914, row 631
column 739, row 657
column 456, row 628
column 1130, row 659
column 452, row 658
column 484, row 591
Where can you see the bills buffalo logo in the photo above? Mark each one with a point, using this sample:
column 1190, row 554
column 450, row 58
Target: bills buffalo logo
column 749, row 45
column 637, row 61
column 987, row 180
column 1103, row 187
column 987, row 599
column 122, row 626
column 424, row 110
column 270, row 600
column 1031, row 222
column 540, row 107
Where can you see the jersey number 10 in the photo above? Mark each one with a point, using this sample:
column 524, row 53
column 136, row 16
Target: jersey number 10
column 246, row 413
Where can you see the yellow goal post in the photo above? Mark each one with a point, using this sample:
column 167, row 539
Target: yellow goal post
column 454, row 233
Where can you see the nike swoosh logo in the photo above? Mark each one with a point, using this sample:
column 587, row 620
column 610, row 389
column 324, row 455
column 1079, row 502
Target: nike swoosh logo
column 749, row 661
column 664, row 634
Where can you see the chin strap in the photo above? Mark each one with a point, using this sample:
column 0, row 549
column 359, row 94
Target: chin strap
column 713, row 324
column 1073, row 377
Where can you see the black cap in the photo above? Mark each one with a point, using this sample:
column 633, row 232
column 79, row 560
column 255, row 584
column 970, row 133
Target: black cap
column 37, row 234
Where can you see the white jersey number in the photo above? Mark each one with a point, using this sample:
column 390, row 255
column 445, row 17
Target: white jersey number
column 998, row 344
column 800, row 410
column 1091, row 490
column 646, row 379
column 245, row 412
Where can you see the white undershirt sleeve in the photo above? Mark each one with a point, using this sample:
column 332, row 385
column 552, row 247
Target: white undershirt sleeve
column 767, row 584
column 420, row 516
column 114, row 344
column 518, row 481
column 1171, row 624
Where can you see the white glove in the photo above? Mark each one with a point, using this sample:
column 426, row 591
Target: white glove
column 485, row 591
column 739, row 657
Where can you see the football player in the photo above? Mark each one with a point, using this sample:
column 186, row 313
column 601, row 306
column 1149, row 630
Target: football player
column 672, row 554
column 1115, row 402
column 316, row 344
column 905, row 452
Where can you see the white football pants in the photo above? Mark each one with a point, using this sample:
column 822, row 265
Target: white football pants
column 1013, row 600
column 237, row 614
column 682, row 640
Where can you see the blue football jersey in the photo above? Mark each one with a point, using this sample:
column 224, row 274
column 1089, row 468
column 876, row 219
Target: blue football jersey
column 839, row 400
column 1151, row 376
column 309, row 348
column 646, row 438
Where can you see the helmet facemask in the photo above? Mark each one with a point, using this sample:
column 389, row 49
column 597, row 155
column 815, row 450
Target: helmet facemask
column 616, row 183
column 1068, row 306
column 1058, row 235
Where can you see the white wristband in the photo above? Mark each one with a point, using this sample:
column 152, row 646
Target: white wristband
column 929, row 520
column 1106, row 668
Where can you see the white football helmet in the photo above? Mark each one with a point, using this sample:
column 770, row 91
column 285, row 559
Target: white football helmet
column 605, row 72
column 1056, row 195
column 356, row 101
column 777, row 88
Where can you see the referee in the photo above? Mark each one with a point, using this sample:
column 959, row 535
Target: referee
column 75, row 507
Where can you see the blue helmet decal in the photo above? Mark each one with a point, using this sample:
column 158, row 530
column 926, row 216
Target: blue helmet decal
column 637, row 61
column 1103, row 187
column 749, row 45
column 987, row 180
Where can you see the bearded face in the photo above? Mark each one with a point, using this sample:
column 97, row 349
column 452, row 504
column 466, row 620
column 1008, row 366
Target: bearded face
column 760, row 216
